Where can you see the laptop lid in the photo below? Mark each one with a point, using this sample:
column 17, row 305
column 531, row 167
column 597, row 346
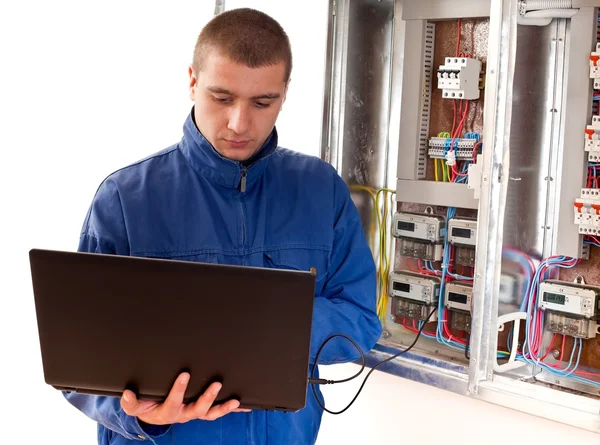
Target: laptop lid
column 107, row 323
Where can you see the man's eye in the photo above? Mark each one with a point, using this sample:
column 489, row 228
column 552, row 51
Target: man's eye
column 221, row 100
column 262, row 105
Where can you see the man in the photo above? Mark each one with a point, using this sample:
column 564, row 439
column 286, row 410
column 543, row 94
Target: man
column 226, row 193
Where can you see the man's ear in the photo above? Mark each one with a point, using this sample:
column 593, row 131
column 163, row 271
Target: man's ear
column 193, row 82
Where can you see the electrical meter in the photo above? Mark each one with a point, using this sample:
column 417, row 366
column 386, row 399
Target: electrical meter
column 462, row 232
column 419, row 226
column 572, row 308
column 411, row 286
column 457, row 296
column 414, row 295
column 421, row 235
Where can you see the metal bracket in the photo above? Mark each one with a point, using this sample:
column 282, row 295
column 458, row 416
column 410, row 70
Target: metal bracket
column 512, row 362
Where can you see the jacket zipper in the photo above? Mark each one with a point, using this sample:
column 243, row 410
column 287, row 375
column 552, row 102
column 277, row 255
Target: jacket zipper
column 242, row 190
column 243, row 180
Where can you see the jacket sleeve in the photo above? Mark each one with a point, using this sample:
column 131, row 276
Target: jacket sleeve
column 104, row 232
column 347, row 304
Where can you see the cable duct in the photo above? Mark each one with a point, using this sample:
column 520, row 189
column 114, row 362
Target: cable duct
column 541, row 12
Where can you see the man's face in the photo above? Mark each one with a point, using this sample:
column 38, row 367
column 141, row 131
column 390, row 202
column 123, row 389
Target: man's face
column 235, row 106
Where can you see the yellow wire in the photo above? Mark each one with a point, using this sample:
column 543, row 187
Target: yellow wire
column 438, row 162
column 380, row 221
column 384, row 260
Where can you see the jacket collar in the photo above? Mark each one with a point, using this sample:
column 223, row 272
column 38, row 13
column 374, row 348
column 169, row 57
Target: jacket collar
column 202, row 156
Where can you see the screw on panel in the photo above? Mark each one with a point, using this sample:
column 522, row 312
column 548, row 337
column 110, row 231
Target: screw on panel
column 385, row 334
column 556, row 353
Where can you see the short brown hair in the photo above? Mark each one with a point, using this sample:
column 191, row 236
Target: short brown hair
column 246, row 36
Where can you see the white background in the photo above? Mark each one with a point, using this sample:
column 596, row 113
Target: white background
column 87, row 87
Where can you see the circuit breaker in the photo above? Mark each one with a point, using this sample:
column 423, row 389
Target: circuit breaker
column 458, row 78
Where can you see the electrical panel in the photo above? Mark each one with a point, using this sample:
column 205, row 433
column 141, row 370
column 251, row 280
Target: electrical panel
column 495, row 211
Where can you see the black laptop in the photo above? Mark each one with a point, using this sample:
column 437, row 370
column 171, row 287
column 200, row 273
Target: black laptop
column 109, row 323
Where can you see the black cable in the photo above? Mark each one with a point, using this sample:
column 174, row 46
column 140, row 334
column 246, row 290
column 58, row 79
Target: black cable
column 467, row 343
column 313, row 381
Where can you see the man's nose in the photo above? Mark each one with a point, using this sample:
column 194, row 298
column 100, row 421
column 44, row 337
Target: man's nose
column 239, row 119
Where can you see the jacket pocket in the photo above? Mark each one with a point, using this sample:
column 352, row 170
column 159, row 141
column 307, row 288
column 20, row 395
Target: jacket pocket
column 193, row 257
column 303, row 259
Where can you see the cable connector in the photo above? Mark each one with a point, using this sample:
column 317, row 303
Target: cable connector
column 320, row 381
column 451, row 158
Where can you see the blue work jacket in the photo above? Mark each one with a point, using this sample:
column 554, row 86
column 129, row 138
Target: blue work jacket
column 281, row 209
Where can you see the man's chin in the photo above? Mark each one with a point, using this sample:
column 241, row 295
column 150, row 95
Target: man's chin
column 236, row 155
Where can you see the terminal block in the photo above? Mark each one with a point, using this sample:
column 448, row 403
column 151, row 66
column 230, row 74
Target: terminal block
column 438, row 147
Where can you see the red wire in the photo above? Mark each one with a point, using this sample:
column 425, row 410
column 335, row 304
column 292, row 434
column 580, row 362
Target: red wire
column 549, row 348
column 562, row 348
column 454, row 119
column 410, row 266
column 455, row 172
column 406, row 327
column 475, row 151
column 594, row 239
column 560, row 359
column 414, row 330
column 448, row 333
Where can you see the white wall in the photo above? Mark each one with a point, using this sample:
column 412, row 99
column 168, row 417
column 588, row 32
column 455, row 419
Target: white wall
column 87, row 87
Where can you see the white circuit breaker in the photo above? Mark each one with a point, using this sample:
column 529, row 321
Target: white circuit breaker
column 592, row 139
column 458, row 78
column 595, row 67
column 587, row 212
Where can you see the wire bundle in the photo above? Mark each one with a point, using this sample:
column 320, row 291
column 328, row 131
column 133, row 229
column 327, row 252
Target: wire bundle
column 380, row 239
column 532, row 351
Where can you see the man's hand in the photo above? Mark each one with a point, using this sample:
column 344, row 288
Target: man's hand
column 173, row 410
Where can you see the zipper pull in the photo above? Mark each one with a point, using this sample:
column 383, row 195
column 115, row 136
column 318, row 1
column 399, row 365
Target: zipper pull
column 243, row 180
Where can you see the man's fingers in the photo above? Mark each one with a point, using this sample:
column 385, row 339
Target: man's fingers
column 129, row 403
column 171, row 408
column 221, row 410
column 242, row 410
column 200, row 407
